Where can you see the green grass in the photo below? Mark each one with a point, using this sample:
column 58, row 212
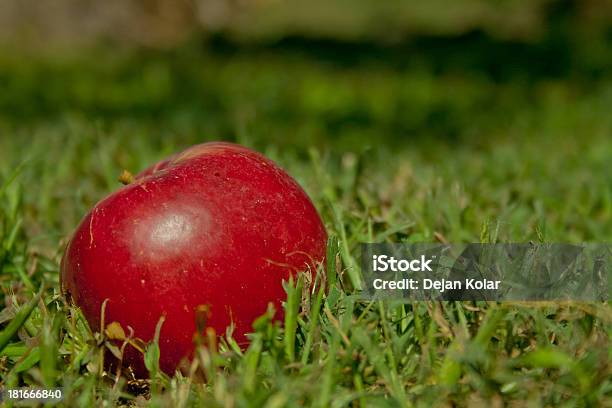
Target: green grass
column 387, row 154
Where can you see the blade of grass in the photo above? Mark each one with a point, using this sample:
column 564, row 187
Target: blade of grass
column 312, row 326
column 292, row 307
column 18, row 321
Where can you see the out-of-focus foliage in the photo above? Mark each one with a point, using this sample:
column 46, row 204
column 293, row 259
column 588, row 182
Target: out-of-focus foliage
column 168, row 22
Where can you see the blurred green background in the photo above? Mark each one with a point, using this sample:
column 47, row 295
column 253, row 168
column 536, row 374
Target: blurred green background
column 349, row 73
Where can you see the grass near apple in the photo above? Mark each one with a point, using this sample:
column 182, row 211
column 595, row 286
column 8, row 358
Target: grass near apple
column 386, row 154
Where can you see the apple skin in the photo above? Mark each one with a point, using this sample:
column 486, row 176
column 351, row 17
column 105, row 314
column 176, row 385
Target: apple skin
column 217, row 225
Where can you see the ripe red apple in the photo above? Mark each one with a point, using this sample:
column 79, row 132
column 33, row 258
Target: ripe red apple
column 217, row 225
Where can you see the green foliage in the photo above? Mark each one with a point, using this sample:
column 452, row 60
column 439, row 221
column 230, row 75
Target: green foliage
column 396, row 155
column 17, row 322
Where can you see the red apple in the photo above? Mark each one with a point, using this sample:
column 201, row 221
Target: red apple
column 217, row 225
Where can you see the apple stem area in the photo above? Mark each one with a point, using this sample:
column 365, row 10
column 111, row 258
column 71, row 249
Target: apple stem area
column 126, row 178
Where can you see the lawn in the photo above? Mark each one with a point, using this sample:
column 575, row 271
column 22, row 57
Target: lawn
column 388, row 153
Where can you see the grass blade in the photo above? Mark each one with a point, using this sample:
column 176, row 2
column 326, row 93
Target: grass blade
column 18, row 321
